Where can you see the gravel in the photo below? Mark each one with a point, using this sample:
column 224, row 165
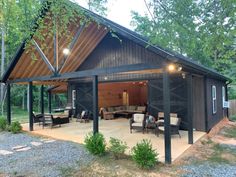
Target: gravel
column 51, row 159
column 211, row 170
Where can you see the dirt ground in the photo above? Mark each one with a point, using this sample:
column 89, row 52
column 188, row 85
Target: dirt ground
column 206, row 149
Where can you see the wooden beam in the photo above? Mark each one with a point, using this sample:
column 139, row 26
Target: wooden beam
column 71, row 46
column 91, row 72
column 9, row 104
column 42, row 99
column 31, row 121
column 190, row 107
column 95, row 104
column 166, row 104
column 43, row 56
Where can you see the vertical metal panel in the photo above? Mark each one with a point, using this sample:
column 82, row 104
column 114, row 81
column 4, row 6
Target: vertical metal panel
column 9, row 104
column 95, row 104
column 166, row 103
column 190, row 108
column 42, row 99
column 31, row 122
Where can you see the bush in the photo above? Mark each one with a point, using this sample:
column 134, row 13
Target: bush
column 15, row 127
column 117, row 147
column 95, row 143
column 144, row 155
column 3, row 124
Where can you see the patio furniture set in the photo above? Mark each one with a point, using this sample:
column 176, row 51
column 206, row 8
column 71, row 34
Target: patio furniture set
column 121, row 111
column 52, row 119
column 146, row 122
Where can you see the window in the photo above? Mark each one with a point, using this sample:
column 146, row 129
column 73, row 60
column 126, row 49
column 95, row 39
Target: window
column 214, row 104
column 223, row 95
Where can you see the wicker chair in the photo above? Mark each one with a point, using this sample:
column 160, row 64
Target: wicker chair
column 137, row 122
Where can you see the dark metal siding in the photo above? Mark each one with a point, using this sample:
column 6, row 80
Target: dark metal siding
column 178, row 97
column 198, row 104
column 213, row 119
column 112, row 52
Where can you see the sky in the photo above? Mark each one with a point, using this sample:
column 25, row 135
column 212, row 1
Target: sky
column 119, row 11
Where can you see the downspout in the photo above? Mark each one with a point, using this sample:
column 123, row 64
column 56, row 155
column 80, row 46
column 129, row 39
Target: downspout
column 227, row 99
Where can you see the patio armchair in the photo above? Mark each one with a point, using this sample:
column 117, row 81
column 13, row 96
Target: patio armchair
column 83, row 117
column 137, row 122
column 107, row 115
column 174, row 126
column 39, row 118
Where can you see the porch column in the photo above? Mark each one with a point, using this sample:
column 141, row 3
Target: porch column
column 166, row 106
column 31, row 121
column 49, row 101
column 95, row 104
column 9, row 104
column 42, row 99
column 190, row 107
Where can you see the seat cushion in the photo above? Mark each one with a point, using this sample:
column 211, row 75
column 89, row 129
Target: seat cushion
column 141, row 108
column 138, row 118
column 137, row 124
column 162, row 128
column 110, row 109
column 174, row 120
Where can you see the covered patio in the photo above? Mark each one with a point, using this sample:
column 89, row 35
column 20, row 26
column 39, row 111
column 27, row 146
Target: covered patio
column 175, row 83
column 117, row 128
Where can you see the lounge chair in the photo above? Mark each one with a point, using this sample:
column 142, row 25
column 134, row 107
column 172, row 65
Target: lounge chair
column 174, row 126
column 38, row 118
column 137, row 122
column 83, row 117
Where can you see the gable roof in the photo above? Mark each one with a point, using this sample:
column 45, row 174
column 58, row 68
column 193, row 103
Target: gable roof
column 129, row 34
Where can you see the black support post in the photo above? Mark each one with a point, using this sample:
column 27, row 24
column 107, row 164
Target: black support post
column 190, row 107
column 31, row 122
column 166, row 106
column 49, row 101
column 9, row 104
column 42, row 99
column 95, row 104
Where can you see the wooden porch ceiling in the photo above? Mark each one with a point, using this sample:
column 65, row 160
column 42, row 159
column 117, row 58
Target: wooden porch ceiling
column 89, row 38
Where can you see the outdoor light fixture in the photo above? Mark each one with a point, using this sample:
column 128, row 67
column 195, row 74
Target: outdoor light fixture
column 66, row 51
column 180, row 68
column 105, row 78
column 171, row 67
column 183, row 75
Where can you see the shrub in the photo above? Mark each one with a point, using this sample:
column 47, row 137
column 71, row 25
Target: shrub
column 117, row 147
column 144, row 155
column 95, row 143
column 15, row 127
column 3, row 124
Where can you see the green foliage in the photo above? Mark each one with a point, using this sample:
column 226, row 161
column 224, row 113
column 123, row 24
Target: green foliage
column 15, row 127
column 117, row 148
column 3, row 124
column 95, row 143
column 144, row 155
column 230, row 132
column 233, row 117
column 202, row 30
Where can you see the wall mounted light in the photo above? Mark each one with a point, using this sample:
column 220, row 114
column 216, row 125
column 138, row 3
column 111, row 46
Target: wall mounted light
column 66, row 51
column 171, row 67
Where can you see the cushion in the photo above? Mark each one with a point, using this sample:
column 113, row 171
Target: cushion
column 83, row 114
column 173, row 115
column 174, row 120
column 141, row 108
column 139, row 118
column 110, row 109
column 132, row 108
column 161, row 114
column 66, row 112
column 150, row 119
column 137, row 124
column 162, row 128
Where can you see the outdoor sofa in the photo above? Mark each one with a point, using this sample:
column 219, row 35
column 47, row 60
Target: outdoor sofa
column 121, row 111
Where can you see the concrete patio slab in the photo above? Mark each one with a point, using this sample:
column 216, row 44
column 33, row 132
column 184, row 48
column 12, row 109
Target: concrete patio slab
column 117, row 128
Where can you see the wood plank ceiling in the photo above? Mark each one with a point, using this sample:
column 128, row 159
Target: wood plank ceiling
column 89, row 38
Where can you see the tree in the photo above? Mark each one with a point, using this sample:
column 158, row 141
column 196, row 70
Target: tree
column 203, row 30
